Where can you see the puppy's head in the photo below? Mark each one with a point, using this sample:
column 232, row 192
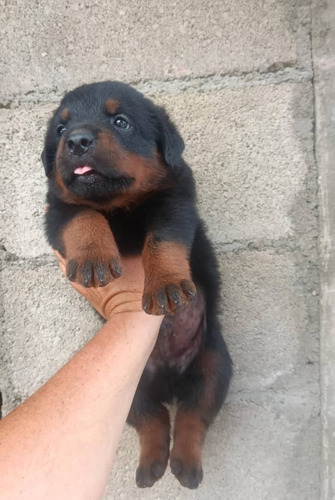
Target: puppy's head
column 107, row 142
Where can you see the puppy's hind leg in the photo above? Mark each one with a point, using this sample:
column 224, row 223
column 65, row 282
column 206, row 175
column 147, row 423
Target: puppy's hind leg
column 153, row 427
column 203, row 394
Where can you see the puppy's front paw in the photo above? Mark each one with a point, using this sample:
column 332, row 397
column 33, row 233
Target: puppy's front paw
column 91, row 270
column 166, row 296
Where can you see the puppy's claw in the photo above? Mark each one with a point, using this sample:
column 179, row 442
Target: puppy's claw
column 167, row 299
column 71, row 269
column 86, row 273
column 116, row 268
column 93, row 272
column 188, row 288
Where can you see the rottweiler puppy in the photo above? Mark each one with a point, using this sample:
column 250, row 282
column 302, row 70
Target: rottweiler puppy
column 118, row 185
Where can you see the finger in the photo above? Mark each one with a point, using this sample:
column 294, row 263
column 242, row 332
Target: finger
column 81, row 289
column 62, row 262
column 59, row 257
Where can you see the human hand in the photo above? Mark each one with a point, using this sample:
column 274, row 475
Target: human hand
column 121, row 295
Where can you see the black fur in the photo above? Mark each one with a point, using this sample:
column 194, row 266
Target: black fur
column 170, row 214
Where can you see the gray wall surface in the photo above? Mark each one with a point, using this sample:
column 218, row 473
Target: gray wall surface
column 238, row 78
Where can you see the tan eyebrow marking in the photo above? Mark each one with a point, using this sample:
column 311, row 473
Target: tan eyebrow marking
column 111, row 105
column 64, row 114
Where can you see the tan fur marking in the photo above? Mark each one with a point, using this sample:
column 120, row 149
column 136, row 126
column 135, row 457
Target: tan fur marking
column 91, row 251
column 147, row 173
column 64, row 114
column 154, row 433
column 189, row 434
column 111, row 106
column 185, row 458
column 66, row 195
column 168, row 284
column 164, row 260
column 88, row 232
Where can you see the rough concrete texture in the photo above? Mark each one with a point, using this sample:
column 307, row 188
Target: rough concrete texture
column 51, row 48
column 248, row 186
column 23, row 180
column 46, row 333
column 324, row 66
column 237, row 77
column 274, row 346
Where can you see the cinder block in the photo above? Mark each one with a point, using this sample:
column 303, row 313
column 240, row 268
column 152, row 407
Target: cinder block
column 45, row 322
column 23, row 188
column 270, row 320
column 252, row 153
column 323, row 36
column 251, row 150
column 58, row 46
column 260, row 450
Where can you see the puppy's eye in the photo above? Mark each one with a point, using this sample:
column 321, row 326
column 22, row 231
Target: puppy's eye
column 61, row 129
column 120, row 122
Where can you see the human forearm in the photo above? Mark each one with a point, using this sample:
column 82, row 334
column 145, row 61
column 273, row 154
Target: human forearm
column 87, row 401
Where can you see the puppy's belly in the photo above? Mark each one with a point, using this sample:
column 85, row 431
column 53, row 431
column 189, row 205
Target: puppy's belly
column 179, row 337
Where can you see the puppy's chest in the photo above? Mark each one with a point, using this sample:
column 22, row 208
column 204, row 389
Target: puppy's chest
column 129, row 230
column 179, row 337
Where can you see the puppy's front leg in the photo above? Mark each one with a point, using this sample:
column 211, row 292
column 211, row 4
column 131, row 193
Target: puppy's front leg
column 84, row 238
column 168, row 282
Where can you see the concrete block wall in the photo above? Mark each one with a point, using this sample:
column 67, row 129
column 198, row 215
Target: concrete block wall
column 237, row 79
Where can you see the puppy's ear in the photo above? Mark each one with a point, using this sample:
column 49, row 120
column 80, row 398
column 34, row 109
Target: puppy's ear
column 47, row 168
column 47, row 158
column 170, row 143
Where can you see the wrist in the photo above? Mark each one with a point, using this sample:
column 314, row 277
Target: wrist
column 132, row 327
column 122, row 302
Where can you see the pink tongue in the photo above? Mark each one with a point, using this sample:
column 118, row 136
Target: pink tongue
column 82, row 170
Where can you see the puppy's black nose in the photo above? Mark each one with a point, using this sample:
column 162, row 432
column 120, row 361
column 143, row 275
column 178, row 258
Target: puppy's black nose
column 79, row 142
